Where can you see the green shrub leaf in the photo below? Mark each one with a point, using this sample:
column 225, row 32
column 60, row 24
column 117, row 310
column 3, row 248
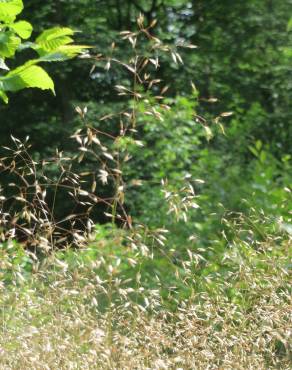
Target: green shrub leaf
column 22, row 28
column 26, row 76
column 3, row 96
column 8, row 44
column 53, row 45
column 9, row 9
column 50, row 40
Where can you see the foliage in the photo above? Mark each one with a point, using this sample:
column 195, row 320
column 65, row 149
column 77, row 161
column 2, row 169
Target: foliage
column 239, row 61
column 89, row 308
column 52, row 45
column 160, row 235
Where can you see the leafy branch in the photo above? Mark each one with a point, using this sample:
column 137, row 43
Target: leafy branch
column 53, row 45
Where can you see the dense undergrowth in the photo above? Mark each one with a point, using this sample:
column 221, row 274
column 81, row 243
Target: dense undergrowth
column 102, row 307
column 190, row 265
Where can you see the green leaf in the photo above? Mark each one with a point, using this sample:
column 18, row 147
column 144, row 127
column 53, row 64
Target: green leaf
column 8, row 44
column 54, row 33
column 3, row 96
column 22, row 28
column 27, row 76
column 9, row 9
column 53, row 45
column 53, row 38
column 71, row 51
column 253, row 150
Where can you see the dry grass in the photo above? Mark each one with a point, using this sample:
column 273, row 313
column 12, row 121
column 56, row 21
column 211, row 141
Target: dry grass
column 69, row 316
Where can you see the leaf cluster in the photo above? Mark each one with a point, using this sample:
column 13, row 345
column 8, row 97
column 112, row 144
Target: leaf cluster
column 54, row 44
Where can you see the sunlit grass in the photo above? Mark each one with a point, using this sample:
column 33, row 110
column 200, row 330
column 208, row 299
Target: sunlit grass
column 77, row 313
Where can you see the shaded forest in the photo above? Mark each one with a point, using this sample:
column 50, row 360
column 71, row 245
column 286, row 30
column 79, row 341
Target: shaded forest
column 145, row 201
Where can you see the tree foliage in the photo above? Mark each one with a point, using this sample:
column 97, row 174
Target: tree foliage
column 55, row 44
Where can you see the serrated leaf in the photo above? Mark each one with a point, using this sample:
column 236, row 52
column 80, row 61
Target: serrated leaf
column 70, row 51
column 22, row 28
column 54, row 33
column 50, row 40
column 53, row 45
column 62, row 53
column 9, row 9
column 27, row 76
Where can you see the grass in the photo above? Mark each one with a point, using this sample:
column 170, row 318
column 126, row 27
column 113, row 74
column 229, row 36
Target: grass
column 90, row 309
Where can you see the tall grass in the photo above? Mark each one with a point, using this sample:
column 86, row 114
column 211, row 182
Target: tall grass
column 84, row 310
column 123, row 299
